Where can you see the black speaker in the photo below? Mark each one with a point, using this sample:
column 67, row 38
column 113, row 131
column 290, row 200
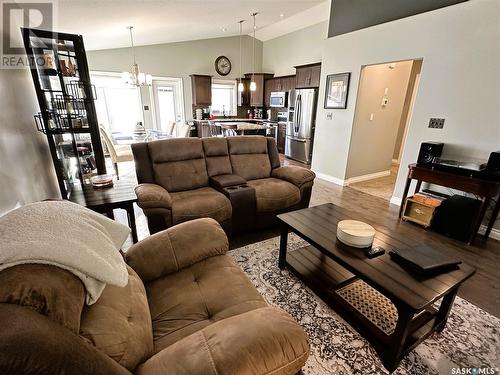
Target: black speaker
column 429, row 151
column 492, row 170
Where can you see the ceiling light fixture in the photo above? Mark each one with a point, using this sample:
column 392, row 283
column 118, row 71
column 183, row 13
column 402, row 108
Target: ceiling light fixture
column 282, row 15
column 135, row 77
column 253, row 85
column 241, row 88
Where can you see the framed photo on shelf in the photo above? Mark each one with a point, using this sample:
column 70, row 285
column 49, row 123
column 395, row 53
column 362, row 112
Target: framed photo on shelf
column 337, row 87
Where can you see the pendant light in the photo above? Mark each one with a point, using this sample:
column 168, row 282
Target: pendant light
column 135, row 77
column 241, row 88
column 253, row 85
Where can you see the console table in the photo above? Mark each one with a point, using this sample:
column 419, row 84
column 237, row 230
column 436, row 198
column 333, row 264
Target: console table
column 485, row 189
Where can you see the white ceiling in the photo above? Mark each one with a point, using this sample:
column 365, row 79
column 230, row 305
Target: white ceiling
column 103, row 23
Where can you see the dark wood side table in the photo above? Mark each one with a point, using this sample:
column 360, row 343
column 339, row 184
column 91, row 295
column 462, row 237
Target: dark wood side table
column 485, row 189
column 345, row 278
column 105, row 200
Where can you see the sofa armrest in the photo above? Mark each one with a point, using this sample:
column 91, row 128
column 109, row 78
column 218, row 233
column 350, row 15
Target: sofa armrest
column 31, row 343
column 294, row 174
column 176, row 248
column 262, row 341
column 152, row 196
column 225, row 180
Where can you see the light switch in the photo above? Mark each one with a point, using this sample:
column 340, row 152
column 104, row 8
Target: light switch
column 371, row 116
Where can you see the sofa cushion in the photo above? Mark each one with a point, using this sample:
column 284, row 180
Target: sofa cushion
column 262, row 341
column 196, row 297
column 217, row 156
column 249, row 157
column 198, row 203
column 46, row 289
column 179, row 164
column 119, row 323
column 273, row 194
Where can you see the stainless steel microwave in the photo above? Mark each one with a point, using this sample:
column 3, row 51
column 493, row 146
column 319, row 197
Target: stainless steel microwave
column 278, row 99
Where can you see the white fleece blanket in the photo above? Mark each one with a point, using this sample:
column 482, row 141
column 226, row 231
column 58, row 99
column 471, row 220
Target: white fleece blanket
column 68, row 236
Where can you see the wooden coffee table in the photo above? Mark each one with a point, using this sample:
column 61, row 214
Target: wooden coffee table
column 392, row 308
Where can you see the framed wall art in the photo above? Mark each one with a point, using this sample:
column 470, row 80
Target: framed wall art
column 337, row 88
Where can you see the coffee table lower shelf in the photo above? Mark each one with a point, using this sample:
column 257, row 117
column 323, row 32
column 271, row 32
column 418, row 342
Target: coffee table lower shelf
column 372, row 314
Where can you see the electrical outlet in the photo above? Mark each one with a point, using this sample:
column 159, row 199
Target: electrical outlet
column 436, row 123
column 329, row 116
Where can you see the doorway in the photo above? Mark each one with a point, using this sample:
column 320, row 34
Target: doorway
column 384, row 106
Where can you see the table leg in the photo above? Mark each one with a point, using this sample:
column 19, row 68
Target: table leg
column 444, row 310
column 479, row 219
column 392, row 356
column 283, row 243
column 405, row 194
column 493, row 218
column 131, row 221
column 419, row 185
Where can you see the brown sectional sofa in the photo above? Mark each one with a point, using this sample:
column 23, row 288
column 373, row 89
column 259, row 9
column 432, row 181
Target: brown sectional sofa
column 237, row 181
column 187, row 309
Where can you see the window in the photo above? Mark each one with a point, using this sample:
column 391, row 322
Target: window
column 224, row 98
column 118, row 105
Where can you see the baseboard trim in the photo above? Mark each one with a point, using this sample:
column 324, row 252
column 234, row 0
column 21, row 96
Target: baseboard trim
column 328, row 178
column 367, row 177
column 396, row 200
column 495, row 233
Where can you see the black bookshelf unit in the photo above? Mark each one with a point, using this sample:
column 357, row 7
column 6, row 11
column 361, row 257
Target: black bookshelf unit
column 67, row 114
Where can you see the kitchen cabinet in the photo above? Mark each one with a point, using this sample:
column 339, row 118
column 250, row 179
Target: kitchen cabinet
column 201, row 88
column 257, row 96
column 280, row 141
column 308, row 75
column 285, row 83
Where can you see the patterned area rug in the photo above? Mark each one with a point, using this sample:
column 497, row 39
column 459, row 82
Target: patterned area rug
column 471, row 338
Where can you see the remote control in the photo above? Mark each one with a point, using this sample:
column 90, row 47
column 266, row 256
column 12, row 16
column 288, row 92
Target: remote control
column 375, row 251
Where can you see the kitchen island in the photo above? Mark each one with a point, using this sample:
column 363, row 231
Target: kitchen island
column 240, row 126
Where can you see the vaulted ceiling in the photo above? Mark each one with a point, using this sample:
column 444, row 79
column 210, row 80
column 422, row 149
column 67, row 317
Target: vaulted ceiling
column 103, row 23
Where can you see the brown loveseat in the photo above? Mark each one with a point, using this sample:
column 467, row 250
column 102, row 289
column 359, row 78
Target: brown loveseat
column 187, row 309
column 237, row 181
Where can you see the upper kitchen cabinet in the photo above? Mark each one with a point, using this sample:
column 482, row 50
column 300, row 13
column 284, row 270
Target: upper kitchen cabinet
column 257, row 96
column 285, row 83
column 308, row 75
column 201, row 87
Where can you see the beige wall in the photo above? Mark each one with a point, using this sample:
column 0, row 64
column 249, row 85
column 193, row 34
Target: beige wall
column 181, row 59
column 372, row 141
column 460, row 82
column 304, row 46
column 26, row 170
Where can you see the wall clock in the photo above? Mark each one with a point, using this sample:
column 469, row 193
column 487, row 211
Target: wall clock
column 223, row 65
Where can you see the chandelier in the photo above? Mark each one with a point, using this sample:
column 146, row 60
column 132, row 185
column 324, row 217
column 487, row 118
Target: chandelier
column 135, row 77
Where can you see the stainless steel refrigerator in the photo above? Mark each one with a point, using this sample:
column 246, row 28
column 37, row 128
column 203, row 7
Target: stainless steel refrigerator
column 301, row 123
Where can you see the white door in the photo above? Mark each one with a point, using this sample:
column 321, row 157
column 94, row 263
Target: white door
column 168, row 96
